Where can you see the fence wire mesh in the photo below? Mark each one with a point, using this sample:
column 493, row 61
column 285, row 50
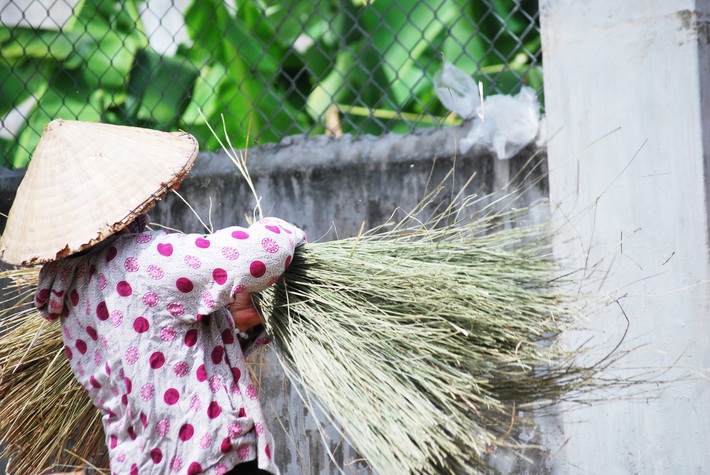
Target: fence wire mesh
column 269, row 69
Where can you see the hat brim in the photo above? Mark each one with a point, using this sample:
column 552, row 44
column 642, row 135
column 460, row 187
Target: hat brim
column 87, row 181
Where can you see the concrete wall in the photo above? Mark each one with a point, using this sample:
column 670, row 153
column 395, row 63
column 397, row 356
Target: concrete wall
column 627, row 89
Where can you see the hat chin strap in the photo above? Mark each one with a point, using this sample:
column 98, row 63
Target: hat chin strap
column 138, row 225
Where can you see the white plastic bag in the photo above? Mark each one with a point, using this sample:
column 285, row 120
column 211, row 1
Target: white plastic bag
column 457, row 91
column 508, row 123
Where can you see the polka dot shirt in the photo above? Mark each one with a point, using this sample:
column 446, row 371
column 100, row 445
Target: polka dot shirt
column 148, row 336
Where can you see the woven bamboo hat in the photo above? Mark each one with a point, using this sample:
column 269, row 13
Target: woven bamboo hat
column 85, row 182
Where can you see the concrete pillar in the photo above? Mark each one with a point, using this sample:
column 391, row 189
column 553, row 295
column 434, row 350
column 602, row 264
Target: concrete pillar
column 627, row 93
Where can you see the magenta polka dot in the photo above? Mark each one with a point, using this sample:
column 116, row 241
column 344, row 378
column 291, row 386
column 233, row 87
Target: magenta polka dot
column 116, row 318
column 226, row 446
column 269, row 245
column 132, row 435
column 202, row 243
column 131, row 264
column 157, row 360
column 230, row 253
column 171, row 396
column 186, row 432
column 94, row 382
column 243, row 452
column 102, row 282
column 176, row 309
column 238, row 289
column 168, row 334
column 107, row 368
column 91, row 331
column 144, row 420
column 42, row 296
column 228, row 336
column 147, row 392
column 251, row 392
column 81, row 346
column 207, row 299
column 112, row 252
column 236, row 373
column 195, row 403
column 74, row 297
column 201, row 373
column 102, row 311
column 214, row 410
column 219, row 276
column 257, row 269
column 131, row 355
column 156, row 455
column 163, row 427
column 194, row 469
column 240, row 235
column 67, row 350
column 184, row 285
column 234, row 429
column 67, row 333
column 176, row 463
column 217, row 354
column 124, row 289
column 150, row 299
column 113, row 441
column 155, row 272
column 141, row 325
column 191, row 337
column 288, row 262
column 205, row 441
column 165, row 249
column 192, row 262
column 181, row 369
column 273, row 229
column 97, row 358
column 215, row 383
column 143, row 238
column 267, row 451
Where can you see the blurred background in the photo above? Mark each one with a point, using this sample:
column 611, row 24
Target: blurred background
column 271, row 69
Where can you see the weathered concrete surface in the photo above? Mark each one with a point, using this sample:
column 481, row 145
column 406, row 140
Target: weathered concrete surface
column 627, row 88
column 329, row 187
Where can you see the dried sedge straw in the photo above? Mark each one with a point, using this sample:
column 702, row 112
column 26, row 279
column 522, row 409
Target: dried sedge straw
column 43, row 411
column 422, row 341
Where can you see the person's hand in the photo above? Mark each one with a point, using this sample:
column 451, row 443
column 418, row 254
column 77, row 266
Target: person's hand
column 243, row 312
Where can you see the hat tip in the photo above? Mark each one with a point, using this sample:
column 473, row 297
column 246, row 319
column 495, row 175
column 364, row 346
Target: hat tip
column 55, row 123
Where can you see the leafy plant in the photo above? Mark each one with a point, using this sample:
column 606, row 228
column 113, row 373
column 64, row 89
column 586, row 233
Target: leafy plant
column 277, row 69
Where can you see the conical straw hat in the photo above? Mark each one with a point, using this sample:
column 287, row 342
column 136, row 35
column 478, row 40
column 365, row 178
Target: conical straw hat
column 85, row 182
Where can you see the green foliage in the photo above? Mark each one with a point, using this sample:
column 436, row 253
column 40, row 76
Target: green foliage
column 270, row 70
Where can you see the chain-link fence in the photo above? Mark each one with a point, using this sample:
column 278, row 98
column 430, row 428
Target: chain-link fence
column 269, row 69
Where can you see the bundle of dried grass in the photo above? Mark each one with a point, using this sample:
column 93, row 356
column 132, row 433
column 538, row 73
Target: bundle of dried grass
column 424, row 340
column 46, row 420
